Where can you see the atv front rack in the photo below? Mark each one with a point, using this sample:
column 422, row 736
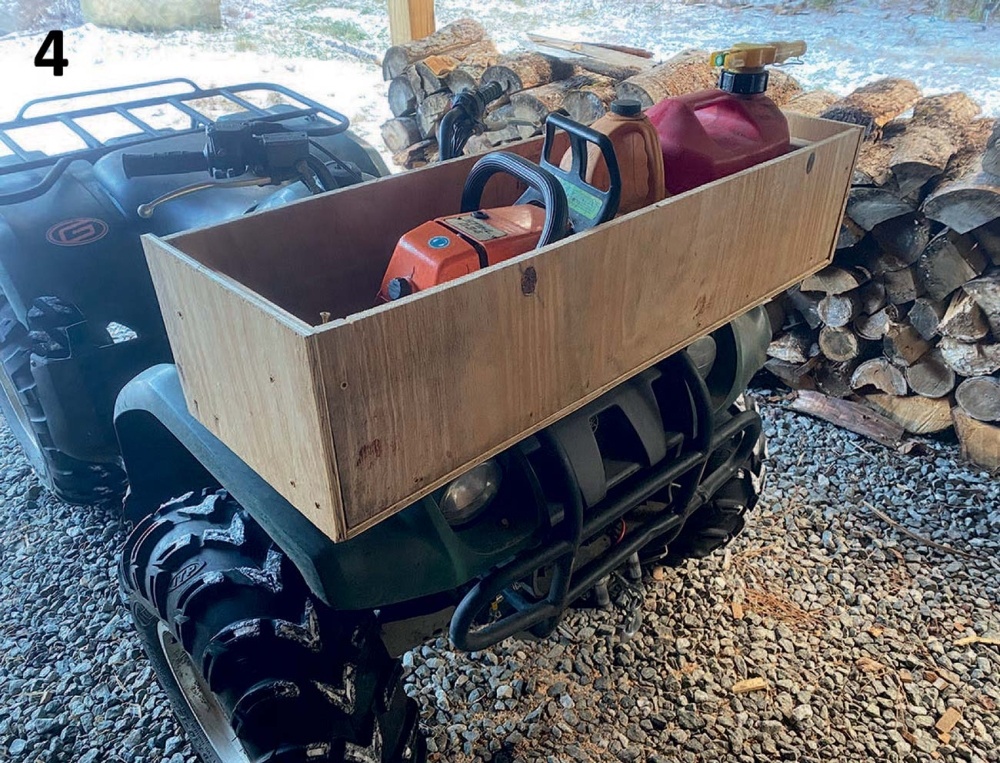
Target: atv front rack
column 23, row 159
column 569, row 584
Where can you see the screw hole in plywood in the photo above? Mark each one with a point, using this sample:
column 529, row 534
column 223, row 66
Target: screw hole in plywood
column 529, row 279
column 810, row 163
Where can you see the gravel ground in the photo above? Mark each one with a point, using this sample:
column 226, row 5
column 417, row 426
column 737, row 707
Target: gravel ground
column 852, row 625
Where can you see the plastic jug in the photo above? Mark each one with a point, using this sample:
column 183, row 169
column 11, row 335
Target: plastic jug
column 714, row 133
column 637, row 148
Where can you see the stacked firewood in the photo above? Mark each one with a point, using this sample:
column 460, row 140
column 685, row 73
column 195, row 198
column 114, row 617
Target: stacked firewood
column 907, row 319
column 581, row 78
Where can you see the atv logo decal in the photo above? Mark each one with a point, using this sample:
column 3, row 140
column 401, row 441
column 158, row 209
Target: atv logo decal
column 184, row 574
column 77, row 232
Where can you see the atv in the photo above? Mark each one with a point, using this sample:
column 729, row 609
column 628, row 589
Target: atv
column 273, row 642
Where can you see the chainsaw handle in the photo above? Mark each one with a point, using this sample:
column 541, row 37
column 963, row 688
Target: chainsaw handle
column 549, row 191
column 588, row 206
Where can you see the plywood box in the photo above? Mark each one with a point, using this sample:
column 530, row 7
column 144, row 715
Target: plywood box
column 354, row 419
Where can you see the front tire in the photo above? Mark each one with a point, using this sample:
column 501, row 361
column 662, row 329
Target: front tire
column 257, row 670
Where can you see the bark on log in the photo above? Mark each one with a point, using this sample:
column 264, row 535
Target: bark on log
column 536, row 104
column 902, row 285
column 966, row 197
column 684, row 73
column 991, row 156
column 880, row 374
column 402, row 98
column 591, row 101
column 812, row 103
column 931, row 138
column 459, row 34
column 616, row 72
column 980, row 397
column 806, row 305
column 930, row 376
column 782, row 87
column 849, row 415
column 839, row 344
column 429, row 113
column 925, row 315
column 873, row 105
column 985, row 292
column 417, row 155
column 988, row 238
column 902, row 344
column 980, row 359
column 980, row 442
column 900, row 241
column 917, row 415
column 522, row 71
column 964, row 320
column 838, row 309
column 948, row 262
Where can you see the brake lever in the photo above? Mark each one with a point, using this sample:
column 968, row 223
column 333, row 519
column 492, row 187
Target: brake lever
column 145, row 211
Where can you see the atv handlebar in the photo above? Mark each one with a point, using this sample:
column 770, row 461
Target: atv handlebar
column 169, row 163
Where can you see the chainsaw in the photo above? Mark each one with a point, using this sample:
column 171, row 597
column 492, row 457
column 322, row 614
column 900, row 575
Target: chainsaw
column 559, row 202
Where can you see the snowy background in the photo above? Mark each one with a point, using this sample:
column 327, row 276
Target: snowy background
column 329, row 50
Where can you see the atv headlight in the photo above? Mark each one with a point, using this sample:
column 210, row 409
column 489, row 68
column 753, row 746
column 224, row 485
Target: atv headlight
column 466, row 497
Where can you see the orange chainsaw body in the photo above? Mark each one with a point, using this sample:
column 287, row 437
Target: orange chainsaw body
column 449, row 247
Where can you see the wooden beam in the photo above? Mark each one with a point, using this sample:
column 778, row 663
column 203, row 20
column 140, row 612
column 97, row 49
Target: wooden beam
column 410, row 20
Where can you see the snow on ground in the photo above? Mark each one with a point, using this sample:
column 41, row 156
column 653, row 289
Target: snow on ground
column 289, row 42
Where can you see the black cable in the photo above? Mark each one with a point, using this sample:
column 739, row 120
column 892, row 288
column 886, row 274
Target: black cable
column 358, row 177
column 322, row 172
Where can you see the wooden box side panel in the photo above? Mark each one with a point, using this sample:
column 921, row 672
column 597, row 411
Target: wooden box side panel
column 248, row 376
column 428, row 387
column 329, row 253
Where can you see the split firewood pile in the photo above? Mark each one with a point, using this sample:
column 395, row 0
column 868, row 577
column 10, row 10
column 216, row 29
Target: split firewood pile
column 907, row 319
column 902, row 333
column 581, row 78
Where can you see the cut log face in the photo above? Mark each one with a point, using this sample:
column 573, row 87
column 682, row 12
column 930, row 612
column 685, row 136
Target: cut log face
column 901, row 240
column 902, row 344
column 988, row 238
column 402, row 98
column 835, row 280
column 902, row 285
column 591, row 101
column 460, row 34
column 792, row 346
column 869, row 206
column 400, row 132
column 874, row 327
column 980, row 397
column 522, row 71
column 966, row 204
column 806, row 305
column 991, row 156
column 871, row 297
column 880, row 374
column 925, row 315
column 917, row 415
column 964, row 319
column 535, row 105
column 981, row 359
column 985, row 292
column 685, row 73
column 930, row 376
column 980, row 442
column 793, row 375
column 948, row 262
column 874, row 105
column 429, row 113
column 838, row 309
column 839, row 344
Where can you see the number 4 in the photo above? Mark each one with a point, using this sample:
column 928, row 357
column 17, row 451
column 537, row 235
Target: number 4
column 53, row 40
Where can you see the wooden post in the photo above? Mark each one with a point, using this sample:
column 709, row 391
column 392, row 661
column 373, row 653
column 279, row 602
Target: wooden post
column 410, row 20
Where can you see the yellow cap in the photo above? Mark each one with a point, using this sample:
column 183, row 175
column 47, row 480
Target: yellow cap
column 748, row 56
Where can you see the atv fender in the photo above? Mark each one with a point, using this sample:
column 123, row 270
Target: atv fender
column 168, row 452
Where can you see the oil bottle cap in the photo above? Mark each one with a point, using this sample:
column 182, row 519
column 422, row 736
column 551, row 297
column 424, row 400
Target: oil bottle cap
column 626, row 107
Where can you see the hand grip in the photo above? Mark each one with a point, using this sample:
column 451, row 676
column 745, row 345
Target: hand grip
column 170, row 163
column 549, row 192
column 588, row 206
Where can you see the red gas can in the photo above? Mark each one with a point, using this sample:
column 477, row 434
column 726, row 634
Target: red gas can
column 714, row 133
